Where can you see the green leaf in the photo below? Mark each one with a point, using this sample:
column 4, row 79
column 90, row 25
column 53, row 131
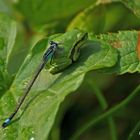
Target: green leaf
column 134, row 5
column 42, row 12
column 19, row 51
column 127, row 44
column 7, row 35
column 7, row 38
column 102, row 18
column 39, row 110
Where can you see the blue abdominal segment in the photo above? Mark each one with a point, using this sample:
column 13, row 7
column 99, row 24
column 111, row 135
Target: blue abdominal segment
column 7, row 121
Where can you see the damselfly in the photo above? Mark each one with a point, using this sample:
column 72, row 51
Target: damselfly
column 47, row 56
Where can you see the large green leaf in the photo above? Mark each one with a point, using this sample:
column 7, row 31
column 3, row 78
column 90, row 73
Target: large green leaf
column 7, row 38
column 117, row 52
column 42, row 11
column 19, row 51
column 127, row 44
column 39, row 113
column 37, row 116
column 102, row 18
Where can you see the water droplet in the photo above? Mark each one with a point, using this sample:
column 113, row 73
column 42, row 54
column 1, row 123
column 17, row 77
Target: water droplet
column 2, row 44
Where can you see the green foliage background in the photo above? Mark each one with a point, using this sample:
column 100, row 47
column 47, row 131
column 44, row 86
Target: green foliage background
column 104, row 82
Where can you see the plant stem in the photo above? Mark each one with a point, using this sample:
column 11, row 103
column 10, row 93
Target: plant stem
column 134, row 132
column 104, row 105
column 108, row 113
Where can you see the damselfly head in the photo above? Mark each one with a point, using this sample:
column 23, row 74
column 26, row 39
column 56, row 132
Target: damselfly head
column 53, row 43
